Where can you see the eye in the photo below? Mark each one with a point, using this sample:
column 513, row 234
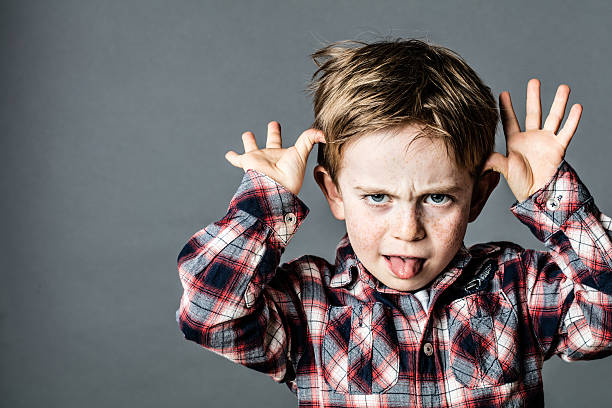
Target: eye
column 437, row 199
column 375, row 198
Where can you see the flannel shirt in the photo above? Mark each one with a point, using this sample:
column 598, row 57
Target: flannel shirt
column 476, row 337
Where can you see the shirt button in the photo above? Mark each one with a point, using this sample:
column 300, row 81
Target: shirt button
column 290, row 218
column 428, row 349
column 552, row 204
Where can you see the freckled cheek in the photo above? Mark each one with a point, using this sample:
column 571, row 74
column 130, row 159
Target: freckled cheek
column 364, row 231
column 448, row 232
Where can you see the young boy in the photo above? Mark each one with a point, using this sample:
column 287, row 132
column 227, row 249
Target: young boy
column 407, row 315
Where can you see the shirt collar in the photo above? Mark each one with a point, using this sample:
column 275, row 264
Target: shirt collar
column 349, row 270
column 348, row 267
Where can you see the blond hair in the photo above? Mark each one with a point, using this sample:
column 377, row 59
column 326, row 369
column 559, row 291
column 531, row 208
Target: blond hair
column 361, row 88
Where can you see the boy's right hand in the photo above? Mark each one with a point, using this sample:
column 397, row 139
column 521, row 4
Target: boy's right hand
column 285, row 166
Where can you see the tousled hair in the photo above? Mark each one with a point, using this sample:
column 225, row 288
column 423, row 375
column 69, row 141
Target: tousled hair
column 361, row 88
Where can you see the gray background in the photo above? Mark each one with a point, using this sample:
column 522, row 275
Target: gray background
column 115, row 119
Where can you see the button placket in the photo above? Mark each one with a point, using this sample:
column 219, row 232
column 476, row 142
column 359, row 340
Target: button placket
column 290, row 219
column 552, row 204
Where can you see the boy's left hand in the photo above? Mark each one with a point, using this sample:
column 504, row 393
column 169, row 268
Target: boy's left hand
column 532, row 156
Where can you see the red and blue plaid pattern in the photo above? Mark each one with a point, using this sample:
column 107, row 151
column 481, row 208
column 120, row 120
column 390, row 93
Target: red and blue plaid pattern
column 339, row 338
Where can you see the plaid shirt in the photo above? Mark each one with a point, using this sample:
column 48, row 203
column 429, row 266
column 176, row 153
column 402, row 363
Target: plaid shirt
column 477, row 337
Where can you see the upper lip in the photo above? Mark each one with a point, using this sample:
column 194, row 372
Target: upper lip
column 403, row 256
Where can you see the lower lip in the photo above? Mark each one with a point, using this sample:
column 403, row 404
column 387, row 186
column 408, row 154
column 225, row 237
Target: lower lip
column 409, row 269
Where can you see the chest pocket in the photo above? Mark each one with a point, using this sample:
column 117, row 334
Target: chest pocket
column 483, row 329
column 359, row 353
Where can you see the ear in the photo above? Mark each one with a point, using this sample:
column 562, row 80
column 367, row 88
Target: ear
column 483, row 188
column 331, row 192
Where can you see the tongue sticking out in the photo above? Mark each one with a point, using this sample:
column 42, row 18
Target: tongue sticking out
column 404, row 268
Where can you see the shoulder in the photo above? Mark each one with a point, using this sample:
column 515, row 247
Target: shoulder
column 496, row 264
column 503, row 251
column 306, row 262
column 303, row 271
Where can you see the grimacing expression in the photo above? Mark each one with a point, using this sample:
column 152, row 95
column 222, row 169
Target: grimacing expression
column 406, row 205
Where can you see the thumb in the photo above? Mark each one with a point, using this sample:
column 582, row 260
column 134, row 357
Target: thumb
column 233, row 158
column 496, row 162
column 307, row 140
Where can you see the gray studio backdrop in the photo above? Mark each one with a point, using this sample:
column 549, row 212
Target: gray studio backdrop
column 115, row 119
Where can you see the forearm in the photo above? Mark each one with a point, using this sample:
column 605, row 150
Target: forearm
column 564, row 217
column 224, row 269
column 569, row 287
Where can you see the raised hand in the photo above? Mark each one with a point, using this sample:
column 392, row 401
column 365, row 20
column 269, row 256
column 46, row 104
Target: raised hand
column 285, row 166
column 532, row 156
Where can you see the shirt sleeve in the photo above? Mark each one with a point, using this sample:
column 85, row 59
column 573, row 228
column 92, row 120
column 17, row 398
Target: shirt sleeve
column 569, row 287
column 225, row 268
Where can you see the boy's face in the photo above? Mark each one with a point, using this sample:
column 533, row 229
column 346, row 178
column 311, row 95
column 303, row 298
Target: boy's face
column 406, row 207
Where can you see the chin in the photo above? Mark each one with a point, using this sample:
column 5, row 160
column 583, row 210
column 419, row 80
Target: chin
column 404, row 285
column 410, row 288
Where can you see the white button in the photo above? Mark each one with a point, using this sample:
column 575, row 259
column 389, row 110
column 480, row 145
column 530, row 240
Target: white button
column 428, row 349
column 552, row 204
column 290, row 218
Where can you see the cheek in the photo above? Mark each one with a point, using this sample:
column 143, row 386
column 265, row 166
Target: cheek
column 448, row 232
column 365, row 230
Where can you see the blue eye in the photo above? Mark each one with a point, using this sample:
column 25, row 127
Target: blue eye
column 376, row 198
column 437, row 199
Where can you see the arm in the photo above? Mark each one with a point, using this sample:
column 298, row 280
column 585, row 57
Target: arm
column 229, row 305
column 568, row 288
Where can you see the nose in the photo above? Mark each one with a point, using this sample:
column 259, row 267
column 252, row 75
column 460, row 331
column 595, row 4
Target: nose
column 408, row 225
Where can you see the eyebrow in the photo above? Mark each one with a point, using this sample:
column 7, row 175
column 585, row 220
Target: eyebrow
column 453, row 188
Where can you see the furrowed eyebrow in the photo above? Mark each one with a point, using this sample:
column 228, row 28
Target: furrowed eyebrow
column 451, row 189
column 371, row 189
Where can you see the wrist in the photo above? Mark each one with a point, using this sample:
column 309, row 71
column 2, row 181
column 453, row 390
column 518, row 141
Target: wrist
column 272, row 203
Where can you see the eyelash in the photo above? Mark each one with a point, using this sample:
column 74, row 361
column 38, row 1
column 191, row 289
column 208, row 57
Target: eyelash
column 379, row 204
column 444, row 195
column 375, row 203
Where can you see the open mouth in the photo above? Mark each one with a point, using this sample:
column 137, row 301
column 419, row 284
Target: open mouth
column 404, row 267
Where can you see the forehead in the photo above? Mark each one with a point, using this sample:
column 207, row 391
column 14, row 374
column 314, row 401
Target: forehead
column 400, row 156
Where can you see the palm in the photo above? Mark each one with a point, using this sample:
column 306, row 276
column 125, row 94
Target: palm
column 285, row 165
column 533, row 158
column 278, row 163
column 534, row 155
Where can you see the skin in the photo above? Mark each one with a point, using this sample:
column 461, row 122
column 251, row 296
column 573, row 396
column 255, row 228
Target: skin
column 403, row 198
column 533, row 155
column 403, row 212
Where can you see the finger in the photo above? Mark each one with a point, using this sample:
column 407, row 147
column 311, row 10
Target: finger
column 557, row 110
column 274, row 140
column 571, row 124
column 509, row 121
column 533, row 117
column 248, row 140
column 496, row 162
column 307, row 140
column 233, row 158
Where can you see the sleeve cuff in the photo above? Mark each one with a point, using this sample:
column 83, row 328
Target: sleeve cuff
column 546, row 210
column 270, row 202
